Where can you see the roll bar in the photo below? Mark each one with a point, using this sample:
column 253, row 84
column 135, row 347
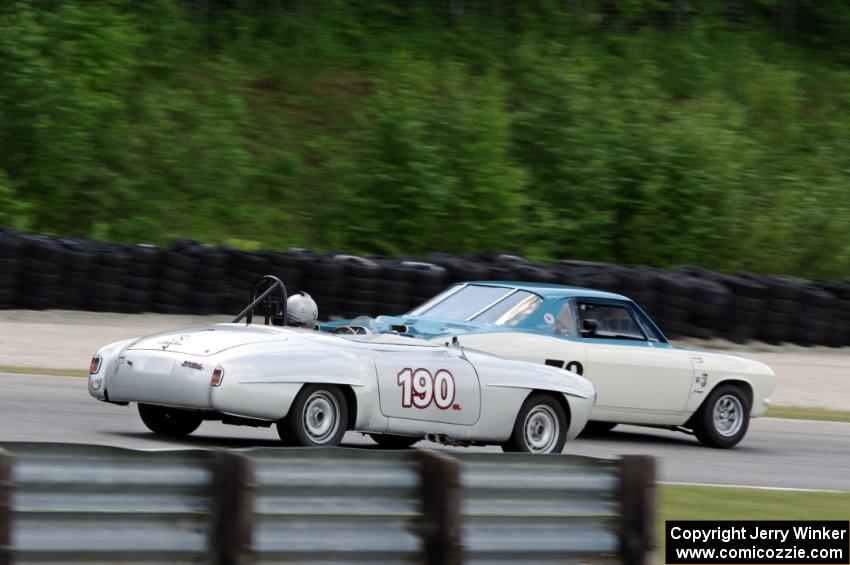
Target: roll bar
column 274, row 310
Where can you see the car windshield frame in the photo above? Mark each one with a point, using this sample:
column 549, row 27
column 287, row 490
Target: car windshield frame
column 422, row 310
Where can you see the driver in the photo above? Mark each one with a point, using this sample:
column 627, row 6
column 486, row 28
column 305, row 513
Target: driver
column 301, row 311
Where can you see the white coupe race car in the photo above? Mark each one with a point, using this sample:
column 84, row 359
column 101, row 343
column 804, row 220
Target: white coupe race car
column 315, row 386
column 639, row 377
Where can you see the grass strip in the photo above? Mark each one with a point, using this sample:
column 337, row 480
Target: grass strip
column 803, row 413
column 43, row 371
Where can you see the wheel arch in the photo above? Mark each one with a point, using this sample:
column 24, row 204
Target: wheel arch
column 741, row 384
column 351, row 402
column 558, row 396
column 347, row 393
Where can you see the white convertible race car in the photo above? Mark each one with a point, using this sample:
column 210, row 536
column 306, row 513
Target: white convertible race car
column 314, row 386
column 639, row 377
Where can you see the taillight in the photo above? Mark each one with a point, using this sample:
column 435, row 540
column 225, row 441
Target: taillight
column 217, row 376
column 94, row 367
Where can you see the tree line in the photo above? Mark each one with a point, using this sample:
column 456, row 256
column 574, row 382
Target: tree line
column 638, row 131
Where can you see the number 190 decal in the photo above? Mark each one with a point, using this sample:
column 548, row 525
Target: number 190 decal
column 420, row 388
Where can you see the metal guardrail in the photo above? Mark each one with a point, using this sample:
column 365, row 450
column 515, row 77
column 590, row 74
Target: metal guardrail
column 92, row 504
column 337, row 505
column 559, row 508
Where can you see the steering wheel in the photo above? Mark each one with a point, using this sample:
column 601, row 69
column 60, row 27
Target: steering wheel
column 350, row 330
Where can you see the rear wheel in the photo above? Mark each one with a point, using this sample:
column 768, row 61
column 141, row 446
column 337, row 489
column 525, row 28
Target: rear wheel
column 317, row 418
column 723, row 418
column 540, row 427
column 169, row 421
column 388, row 441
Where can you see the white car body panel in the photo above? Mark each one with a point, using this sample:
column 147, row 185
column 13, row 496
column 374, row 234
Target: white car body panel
column 266, row 366
column 650, row 384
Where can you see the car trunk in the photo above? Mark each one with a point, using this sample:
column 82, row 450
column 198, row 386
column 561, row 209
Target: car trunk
column 207, row 340
column 174, row 368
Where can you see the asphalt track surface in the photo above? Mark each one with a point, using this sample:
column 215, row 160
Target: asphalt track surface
column 776, row 453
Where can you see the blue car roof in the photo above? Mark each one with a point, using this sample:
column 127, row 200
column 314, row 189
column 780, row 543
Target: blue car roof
column 548, row 290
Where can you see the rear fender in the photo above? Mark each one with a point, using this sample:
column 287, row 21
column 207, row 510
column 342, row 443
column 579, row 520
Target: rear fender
column 263, row 384
column 108, row 355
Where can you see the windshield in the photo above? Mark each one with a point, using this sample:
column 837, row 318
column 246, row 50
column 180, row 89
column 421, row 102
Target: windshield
column 495, row 305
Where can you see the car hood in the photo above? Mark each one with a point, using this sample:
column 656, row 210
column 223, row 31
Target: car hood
column 719, row 361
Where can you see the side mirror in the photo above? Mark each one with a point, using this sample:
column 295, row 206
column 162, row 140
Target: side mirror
column 588, row 327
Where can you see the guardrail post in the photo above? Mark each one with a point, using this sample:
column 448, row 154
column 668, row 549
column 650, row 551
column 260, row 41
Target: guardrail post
column 440, row 492
column 231, row 508
column 637, row 508
column 5, row 508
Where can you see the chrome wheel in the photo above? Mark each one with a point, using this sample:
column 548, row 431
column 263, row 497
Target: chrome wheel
column 728, row 415
column 321, row 416
column 541, row 429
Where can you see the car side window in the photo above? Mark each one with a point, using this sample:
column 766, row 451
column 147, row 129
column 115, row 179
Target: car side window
column 564, row 321
column 609, row 321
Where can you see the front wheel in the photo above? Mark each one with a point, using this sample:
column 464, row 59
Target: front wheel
column 723, row 419
column 388, row 441
column 169, row 421
column 317, row 418
column 540, row 427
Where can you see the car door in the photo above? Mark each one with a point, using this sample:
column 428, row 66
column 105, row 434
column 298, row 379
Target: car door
column 633, row 370
column 431, row 385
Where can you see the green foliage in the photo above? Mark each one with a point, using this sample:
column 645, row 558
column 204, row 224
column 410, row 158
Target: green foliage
column 636, row 131
column 433, row 165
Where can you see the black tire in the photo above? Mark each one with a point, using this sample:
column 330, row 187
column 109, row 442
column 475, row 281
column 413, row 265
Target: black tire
column 106, row 291
column 397, row 273
column 327, row 399
column 138, row 296
column 354, row 308
column 169, row 421
column 110, row 275
column 388, row 441
column 178, row 261
column 42, row 248
column 175, row 274
column 705, row 428
column 534, row 274
column 361, row 268
column 598, row 428
column 322, row 269
column 549, row 408
column 163, row 308
column 140, row 283
column 8, row 281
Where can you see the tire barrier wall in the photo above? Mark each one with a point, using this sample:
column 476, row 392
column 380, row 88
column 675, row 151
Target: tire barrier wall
column 95, row 504
column 38, row 272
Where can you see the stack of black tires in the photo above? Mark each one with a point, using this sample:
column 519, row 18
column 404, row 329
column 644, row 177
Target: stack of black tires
column 324, row 281
column 11, row 265
column 142, row 277
column 78, row 259
column 39, row 272
column 362, row 287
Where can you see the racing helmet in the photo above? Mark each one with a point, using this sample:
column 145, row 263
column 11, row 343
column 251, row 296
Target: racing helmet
column 301, row 310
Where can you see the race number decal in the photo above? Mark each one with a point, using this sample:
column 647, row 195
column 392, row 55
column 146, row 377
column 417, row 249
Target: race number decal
column 420, row 388
column 573, row 366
